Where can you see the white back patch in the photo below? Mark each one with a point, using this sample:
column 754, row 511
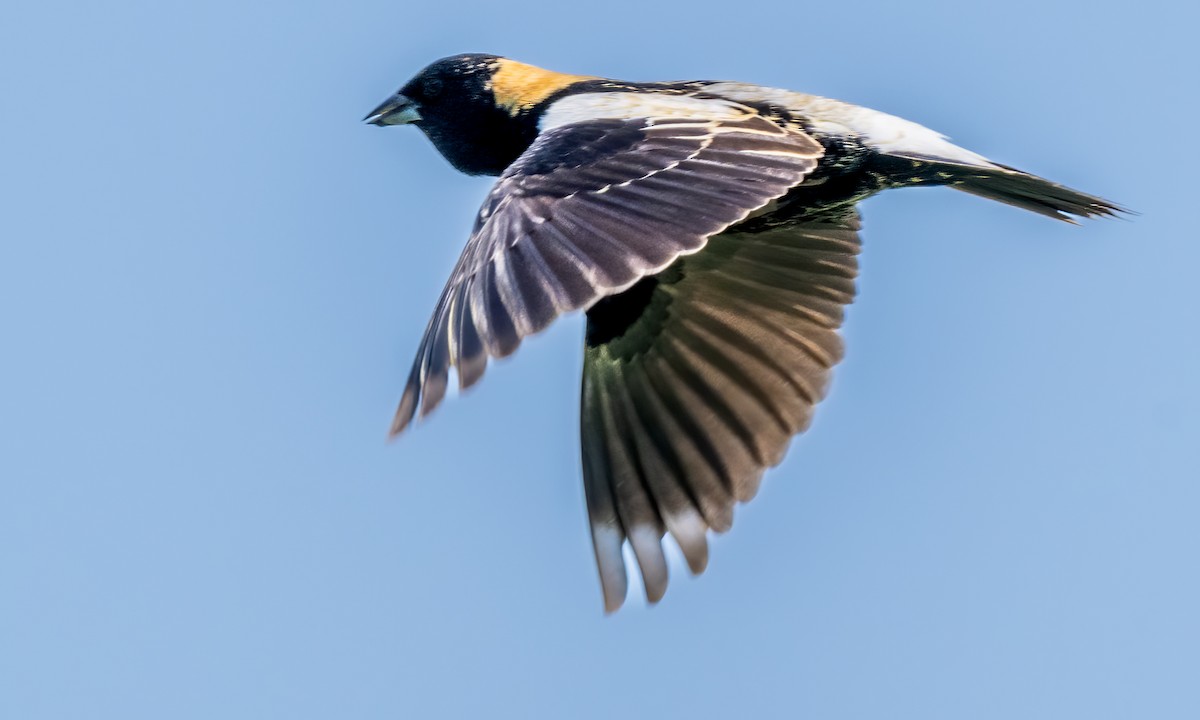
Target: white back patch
column 629, row 105
column 885, row 133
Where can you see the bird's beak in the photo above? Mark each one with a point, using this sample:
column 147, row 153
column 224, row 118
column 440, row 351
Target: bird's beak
column 396, row 110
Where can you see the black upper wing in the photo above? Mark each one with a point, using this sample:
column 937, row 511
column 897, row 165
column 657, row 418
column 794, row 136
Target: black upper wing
column 695, row 381
column 589, row 209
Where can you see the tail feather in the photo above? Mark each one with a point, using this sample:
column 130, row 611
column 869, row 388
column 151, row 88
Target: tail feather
column 1011, row 186
column 1021, row 189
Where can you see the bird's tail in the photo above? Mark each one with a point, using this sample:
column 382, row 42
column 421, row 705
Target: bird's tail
column 1021, row 189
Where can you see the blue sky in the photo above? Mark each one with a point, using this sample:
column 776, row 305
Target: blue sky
column 213, row 278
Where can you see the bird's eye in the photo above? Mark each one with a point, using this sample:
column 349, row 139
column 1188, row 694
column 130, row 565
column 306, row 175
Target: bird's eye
column 432, row 86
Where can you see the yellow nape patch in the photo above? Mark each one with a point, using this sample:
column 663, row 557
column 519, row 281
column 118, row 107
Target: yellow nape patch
column 517, row 86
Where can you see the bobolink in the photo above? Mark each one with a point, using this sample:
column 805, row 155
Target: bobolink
column 709, row 231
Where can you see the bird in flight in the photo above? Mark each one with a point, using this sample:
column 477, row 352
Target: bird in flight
column 709, row 231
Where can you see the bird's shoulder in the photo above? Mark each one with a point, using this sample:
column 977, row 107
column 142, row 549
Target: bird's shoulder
column 606, row 100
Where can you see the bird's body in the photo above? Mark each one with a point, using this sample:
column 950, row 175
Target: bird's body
column 709, row 231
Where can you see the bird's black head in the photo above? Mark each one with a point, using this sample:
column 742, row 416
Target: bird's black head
column 480, row 111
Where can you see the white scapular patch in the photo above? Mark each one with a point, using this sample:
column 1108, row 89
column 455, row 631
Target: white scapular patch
column 628, row 105
column 886, row 133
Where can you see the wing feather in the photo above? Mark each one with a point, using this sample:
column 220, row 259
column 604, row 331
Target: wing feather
column 589, row 209
column 709, row 374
